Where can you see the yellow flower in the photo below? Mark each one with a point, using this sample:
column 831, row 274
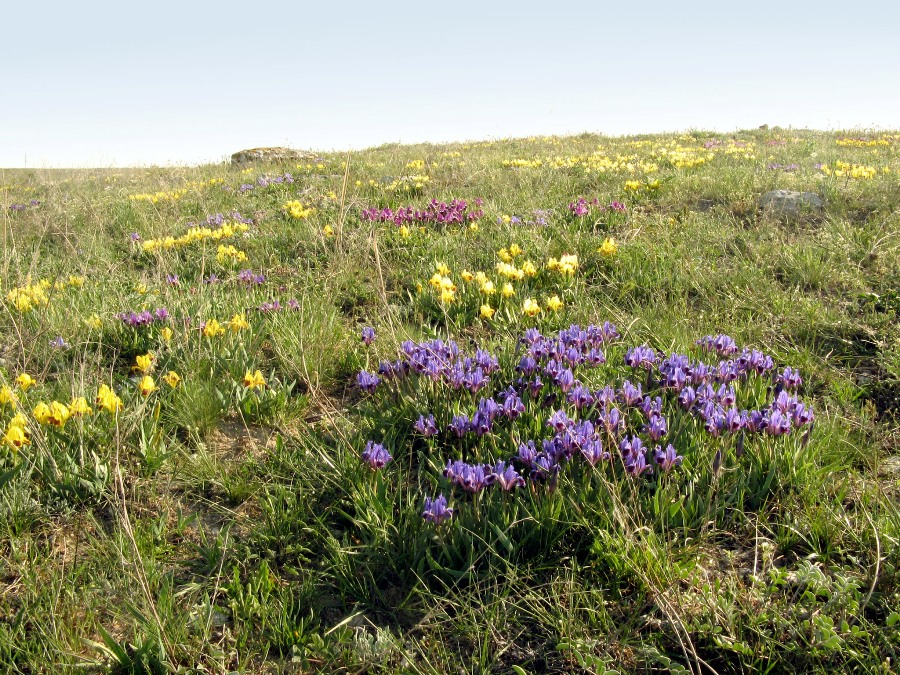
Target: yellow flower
column 480, row 278
column 529, row 269
column 172, row 379
column 487, row 312
column 141, row 289
column 15, row 437
column 94, row 322
column 107, row 399
column 448, row 285
column 328, row 231
column 504, row 255
column 147, row 385
column 238, row 323
column 436, row 280
column 212, row 328
column 466, row 275
column 608, row 248
column 254, row 380
column 508, row 290
column 473, row 227
column 531, row 308
column 447, row 296
column 6, row 395
column 488, row 288
column 166, row 333
column 554, row 303
column 404, row 231
column 19, row 420
column 54, row 414
column 442, row 269
column 79, row 407
column 515, row 250
column 144, row 363
column 24, row 381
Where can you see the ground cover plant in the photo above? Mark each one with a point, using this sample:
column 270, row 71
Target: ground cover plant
column 536, row 405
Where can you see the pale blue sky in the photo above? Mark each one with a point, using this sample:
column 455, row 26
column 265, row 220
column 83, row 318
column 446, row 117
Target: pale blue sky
column 120, row 84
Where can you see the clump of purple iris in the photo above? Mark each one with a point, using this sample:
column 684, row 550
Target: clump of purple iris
column 436, row 510
column 59, row 343
column 426, row 426
column 667, row 459
column 368, row 381
column 269, row 306
column 368, row 335
column 143, row 318
column 375, row 455
column 436, row 213
column 250, row 278
column 582, row 207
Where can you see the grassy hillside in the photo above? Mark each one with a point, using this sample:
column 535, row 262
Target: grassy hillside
column 537, row 405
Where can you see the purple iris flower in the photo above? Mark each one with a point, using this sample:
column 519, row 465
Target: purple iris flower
column 59, row 343
column 368, row 335
column 687, row 397
column 613, row 421
column 641, row 357
column 426, row 426
column 527, row 453
column 135, row 237
column 631, row 448
column 367, row 381
column 172, row 279
column 436, row 510
column 734, row 420
column 667, row 459
column 161, row 314
column 801, row 415
column 581, row 397
column 460, row 425
column 476, row 380
column 558, row 420
column 630, row 394
column 790, row 379
column 778, row 424
column 481, row 423
column 565, row 380
column 593, row 451
column 527, row 366
column 512, row 405
column 507, row 477
column 375, row 455
column 657, row 428
column 637, row 465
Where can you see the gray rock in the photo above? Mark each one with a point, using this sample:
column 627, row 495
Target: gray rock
column 270, row 155
column 789, row 203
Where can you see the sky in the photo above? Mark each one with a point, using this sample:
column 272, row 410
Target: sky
column 102, row 84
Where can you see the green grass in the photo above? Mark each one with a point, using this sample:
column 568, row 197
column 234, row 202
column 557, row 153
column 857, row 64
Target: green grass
column 214, row 528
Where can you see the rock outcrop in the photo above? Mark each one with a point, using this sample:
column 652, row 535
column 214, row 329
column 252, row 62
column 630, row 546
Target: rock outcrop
column 270, row 155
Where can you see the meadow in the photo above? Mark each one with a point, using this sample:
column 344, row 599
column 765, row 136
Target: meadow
column 543, row 405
